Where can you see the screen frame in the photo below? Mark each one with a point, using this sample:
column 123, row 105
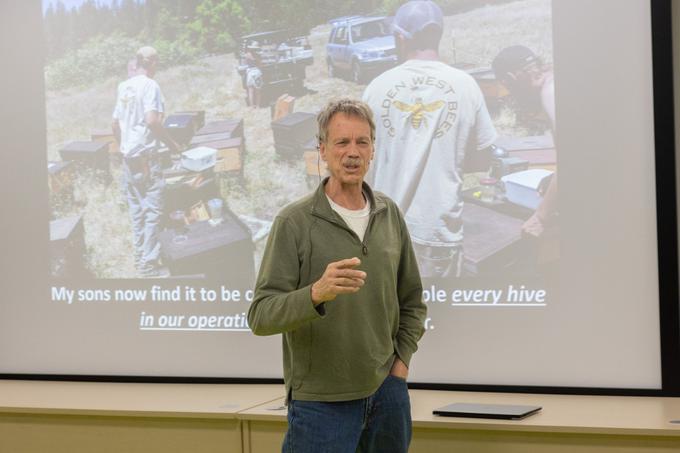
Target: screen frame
column 22, row 22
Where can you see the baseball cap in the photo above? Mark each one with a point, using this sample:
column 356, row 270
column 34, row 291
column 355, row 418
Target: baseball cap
column 512, row 59
column 414, row 16
column 147, row 53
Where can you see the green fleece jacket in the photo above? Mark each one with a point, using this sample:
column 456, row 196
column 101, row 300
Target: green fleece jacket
column 342, row 349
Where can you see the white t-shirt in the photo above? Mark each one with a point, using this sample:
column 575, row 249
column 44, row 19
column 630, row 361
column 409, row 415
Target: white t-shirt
column 427, row 115
column 136, row 97
column 357, row 220
column 548, row 99
column 254, row 77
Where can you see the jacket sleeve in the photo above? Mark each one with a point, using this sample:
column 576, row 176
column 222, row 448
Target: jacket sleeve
column 279, row 304
column 412, row 310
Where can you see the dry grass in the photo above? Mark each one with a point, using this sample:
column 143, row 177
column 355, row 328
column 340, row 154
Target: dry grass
column 478, row 35
column 213, row 85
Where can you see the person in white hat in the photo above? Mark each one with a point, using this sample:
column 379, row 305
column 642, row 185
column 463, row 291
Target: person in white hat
column 138, row 127
column 429, row 115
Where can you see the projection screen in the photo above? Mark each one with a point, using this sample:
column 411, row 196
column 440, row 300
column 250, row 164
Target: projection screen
column 571, row 303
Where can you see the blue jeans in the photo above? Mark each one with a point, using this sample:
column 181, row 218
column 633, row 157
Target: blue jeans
column 145, row 202
column 379, row 423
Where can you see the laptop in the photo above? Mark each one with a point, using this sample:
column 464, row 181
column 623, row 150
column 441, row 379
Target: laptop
column 497, row 411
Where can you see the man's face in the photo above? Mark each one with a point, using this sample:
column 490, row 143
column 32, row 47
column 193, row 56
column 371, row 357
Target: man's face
column 348, row 149
column 525, row 79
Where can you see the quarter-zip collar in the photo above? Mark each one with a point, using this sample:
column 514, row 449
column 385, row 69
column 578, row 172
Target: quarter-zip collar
column 321, row 207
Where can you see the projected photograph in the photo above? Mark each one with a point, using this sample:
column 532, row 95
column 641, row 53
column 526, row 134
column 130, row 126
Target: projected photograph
column 177, row 130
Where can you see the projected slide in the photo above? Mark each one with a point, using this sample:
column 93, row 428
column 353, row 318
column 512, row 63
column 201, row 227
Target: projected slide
column 240, row 103
column 176, row 131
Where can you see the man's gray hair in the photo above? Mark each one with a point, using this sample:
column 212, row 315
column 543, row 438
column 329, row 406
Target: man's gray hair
column 350, row 107
column 145, row 55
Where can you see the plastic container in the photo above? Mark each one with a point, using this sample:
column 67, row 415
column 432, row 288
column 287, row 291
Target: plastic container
column 215, row 208
column 199, row 159
column 522, row 187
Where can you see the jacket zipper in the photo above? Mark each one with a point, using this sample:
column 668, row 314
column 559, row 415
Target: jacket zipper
column 364, row 247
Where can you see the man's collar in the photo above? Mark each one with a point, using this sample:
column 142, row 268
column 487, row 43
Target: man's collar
column 322, row 207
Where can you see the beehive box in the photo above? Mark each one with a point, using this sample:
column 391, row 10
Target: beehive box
column 230, row 155
column 284, row 106
column 67, row 247
column 92, row 154
column 60, row 178
column 292, row 132
column 184, row 188
column 198, row 117
column 538, row 150
column 224, row 251
column 181, row 127
column 105, row 135
column 233, row 127
column 206, row 138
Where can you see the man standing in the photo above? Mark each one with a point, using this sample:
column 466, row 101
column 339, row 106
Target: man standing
column 339, row 279
column 532, row 84
column 138, row 127
column 529, row 81
column 254, row 80
column 429, row 116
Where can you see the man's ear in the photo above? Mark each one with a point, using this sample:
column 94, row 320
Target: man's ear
column 322, row 151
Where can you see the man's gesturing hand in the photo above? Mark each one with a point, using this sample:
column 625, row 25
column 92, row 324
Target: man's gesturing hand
column 338, row 278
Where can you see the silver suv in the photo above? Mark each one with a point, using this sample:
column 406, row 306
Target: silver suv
column 360, row 46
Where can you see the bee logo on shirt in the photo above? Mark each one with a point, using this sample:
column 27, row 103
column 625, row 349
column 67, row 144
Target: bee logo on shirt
column 428, row 102
column 127, row 98
column 417, row 111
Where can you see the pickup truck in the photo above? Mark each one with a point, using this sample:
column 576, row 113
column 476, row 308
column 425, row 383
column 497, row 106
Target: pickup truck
column 281, row 56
